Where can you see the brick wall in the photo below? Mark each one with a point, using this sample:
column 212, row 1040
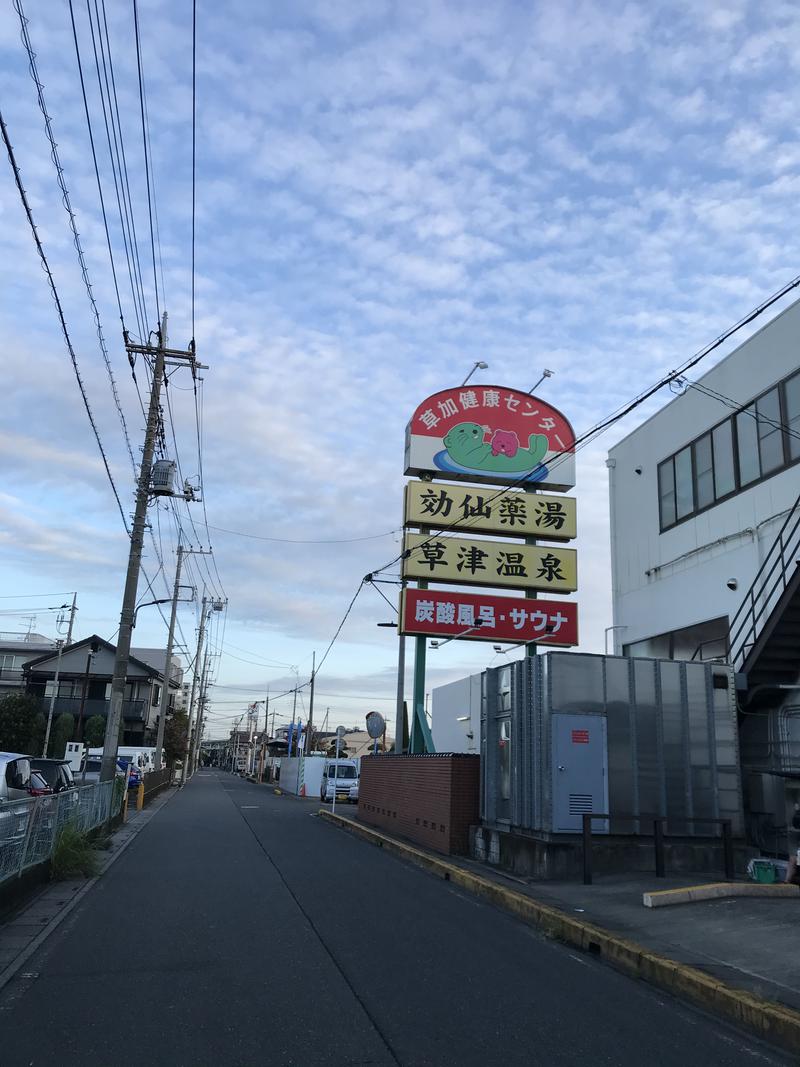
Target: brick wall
column 431, row 799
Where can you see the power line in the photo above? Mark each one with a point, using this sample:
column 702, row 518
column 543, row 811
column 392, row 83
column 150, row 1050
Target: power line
column 73, row 224
column 339, row 627
column 136, row 308
column 599, row 428
column 194, row 147
column 381, row 593
column 302, row 541
column 144, row 146
column 23, row 197
column 744, row 409
column 124, row 206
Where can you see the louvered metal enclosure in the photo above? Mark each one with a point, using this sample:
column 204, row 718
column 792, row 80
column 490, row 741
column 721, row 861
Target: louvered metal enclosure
column 563, row 734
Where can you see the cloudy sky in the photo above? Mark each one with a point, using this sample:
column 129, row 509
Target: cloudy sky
column 387, row 192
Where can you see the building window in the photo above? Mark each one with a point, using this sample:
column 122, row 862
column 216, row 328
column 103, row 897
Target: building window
column 704, row 471
column 747, row 438
column 724, row 469
column 754, row 443
column 684, row 490
column 792, row 394
column 770, row 434
column 666, row 492
column 703, row 641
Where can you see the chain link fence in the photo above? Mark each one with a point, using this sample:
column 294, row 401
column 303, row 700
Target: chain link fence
column 29, row 829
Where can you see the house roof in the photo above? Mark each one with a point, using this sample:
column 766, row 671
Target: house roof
column 102, row 643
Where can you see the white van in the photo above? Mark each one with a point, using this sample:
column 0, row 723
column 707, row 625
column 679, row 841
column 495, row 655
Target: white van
column 339, row 777
column 138, row 757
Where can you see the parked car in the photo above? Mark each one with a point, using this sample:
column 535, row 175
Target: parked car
column 56, row 772
column 15, row 776
column 15, row 773
column 135, row 775
column 339, row 777
column 37, row 786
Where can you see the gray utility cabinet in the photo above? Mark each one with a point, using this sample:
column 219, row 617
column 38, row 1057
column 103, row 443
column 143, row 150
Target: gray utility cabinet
column 637, row 738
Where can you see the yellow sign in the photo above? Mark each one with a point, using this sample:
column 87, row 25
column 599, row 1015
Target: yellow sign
column 478, row 509
column 458, row 560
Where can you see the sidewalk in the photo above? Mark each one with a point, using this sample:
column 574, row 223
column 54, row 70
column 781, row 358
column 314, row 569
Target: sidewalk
column 746, row 946
column 21, row 935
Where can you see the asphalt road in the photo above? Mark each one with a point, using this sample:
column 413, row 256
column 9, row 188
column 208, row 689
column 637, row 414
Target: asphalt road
column 239, row 929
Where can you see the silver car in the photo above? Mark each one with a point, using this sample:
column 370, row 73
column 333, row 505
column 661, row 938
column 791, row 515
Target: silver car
column 15, row 777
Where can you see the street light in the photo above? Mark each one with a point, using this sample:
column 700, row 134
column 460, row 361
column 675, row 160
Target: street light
column 610, row 629
column 441, row 644
column 545, row 374
column 480, row 365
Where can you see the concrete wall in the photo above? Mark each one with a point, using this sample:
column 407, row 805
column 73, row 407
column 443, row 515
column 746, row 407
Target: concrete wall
column 666, row 581
column 452, row 702
column 430, row 799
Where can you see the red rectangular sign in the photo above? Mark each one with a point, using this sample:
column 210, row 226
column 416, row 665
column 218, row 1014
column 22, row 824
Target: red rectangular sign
column 580, row 737
column 487, row 617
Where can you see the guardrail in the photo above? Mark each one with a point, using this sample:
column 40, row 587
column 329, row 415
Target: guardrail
column 659, row 822
column 29, row 829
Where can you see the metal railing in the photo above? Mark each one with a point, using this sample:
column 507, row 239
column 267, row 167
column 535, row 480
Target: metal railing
column 29, row 829
column 659, row 822
column 767, row 588
column 155, row 781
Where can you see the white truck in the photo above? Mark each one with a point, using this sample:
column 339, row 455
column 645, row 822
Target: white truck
column 340, row 779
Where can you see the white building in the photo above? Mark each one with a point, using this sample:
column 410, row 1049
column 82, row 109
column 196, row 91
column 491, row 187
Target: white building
column 698, row 496
column 705, row 552
column 456, row 715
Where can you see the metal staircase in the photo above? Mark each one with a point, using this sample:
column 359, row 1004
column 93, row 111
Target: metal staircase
column 765, row 631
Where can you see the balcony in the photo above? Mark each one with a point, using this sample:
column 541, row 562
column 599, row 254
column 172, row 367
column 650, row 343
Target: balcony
column 132, row 710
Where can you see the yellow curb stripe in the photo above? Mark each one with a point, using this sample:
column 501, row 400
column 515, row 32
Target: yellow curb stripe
column 659, row 898
column 768, row 1020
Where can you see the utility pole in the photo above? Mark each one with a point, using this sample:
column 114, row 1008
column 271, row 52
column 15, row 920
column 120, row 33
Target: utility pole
column 201, row 704
column 310, row 726
column 89, row 657
column 294, row 713
column 164, row 704
column 127, row 615
column 61, row 646
column 195, row 676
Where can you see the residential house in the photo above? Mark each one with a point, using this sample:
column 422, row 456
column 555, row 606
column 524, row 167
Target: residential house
column 84, row 686
column 16, row 649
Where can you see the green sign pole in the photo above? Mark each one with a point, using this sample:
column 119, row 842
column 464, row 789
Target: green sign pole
column 416, row 742
column 530, row 648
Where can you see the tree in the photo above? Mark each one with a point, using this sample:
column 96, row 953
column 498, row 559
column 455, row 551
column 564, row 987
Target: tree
column 17, row 722
column 63, row 729
column 94, row 732
column 176, row 731
column 38, row 730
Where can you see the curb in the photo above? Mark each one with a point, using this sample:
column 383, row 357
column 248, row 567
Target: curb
column 25, row 954
column 767, row 1020
column 661, row 898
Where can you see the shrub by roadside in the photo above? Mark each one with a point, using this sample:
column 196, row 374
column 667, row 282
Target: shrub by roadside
column 74, row 855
